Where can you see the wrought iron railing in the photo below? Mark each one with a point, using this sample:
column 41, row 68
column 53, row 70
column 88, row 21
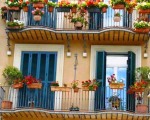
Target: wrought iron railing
column 64, row 100
column 57, row 20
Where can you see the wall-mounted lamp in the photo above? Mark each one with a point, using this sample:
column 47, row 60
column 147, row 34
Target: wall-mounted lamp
column 68, row 47
column 9, row 51
column 145, row 55
column 84, row 47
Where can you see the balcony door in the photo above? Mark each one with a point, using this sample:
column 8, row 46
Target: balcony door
column 101, row 93
column 41, row 65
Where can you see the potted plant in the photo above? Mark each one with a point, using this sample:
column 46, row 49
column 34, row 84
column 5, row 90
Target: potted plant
column 92, row 6
column 73, row 7
column 13, row 5
column 115, row 101
column 16, row 24
column 143, row 7
column 103, row 6
column 55, row 86
column 74, row 85
column 113, row 83
column 83, row 7
column 85, row 85
column 118, row 4
column 32, row 82
column 38, row 3
column 130, row 6
column 63, row 6
column 13, row 78
column 51, row 6
column 37, row 14
column 24, row 6
column 117, row 17
column 4, row 12
column 137, row 89
column 141, row 26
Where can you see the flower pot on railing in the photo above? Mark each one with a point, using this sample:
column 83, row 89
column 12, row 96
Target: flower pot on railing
column 85, row 88
column 50, row 9
column 76, row 89
column 65, row 89
column 38, row 5
column 116, row 85
column 104, row 9
column 37, row 17
column 130, row 11
column 63, row 9
column 35, row 86
column 118, row 6
column 93, row 9
column 141, row 30
column 145, row 11
column 74, row 9
column 13, row 8
column 18, row 85
column 6, row 105
column 141, row 108
column 78, row 25
column 117, row 19
column 25, row 8
column 55, row 88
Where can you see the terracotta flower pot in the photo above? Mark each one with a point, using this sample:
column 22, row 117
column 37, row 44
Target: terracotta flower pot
column 50, row 9
column 104, row 10
column 6, row 105
column 78, row 25
column 25, row 9
column 118, row 6
column 117, row 19
column 38, row 5
column 13, row 8
column 130, row 11
column 141, row 30
column 18, row 85
column 116, row 85
column 35, row 86
column 37, row 17
column 73, row 9
column 144, row 11
column 76, row 89
column 141, row 108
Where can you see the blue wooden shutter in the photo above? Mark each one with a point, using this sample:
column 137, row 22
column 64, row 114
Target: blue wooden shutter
column 130, row 80
column 41, row 65
column 100, row 76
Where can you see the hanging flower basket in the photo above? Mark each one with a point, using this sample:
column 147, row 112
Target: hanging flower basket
column 13, row 8
column 50, row 9
column 117, row 19
column 141, row 30
column 35, row 86
column 63, row 9
column 104, row 10
column 25, row 9
column 144, row 11
column 93, row 9
column 37, row 17
column 118, row 6
column 78, row 25
column 116, row 85
column 38, row 5
column 6, row 105
column 18, row 85
column 74, row 9
column 141, row 108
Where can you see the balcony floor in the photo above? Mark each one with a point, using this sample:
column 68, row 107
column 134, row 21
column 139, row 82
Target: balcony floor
column 41, row 114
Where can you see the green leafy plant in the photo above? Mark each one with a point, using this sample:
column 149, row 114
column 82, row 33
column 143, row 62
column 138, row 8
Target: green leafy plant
column 13, row 4
column 51, row 4
column 143, row 5
column 75, row 84
column 130, row 5
column 12, row 75
column 55, row 83
column 24, row 4
column 143, row 73
column 141, row 24
column 38, row 11
column 73, row 5
column 117, row 14
column 115, row 2
column 102, row 5
column 36, row 1
column 15, row 23
column 63, row 4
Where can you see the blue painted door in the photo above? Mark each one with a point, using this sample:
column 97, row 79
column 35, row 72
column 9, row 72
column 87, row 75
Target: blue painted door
column 41, row 65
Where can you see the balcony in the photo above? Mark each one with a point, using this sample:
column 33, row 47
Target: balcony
column 55, row 26
column 33, row 103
